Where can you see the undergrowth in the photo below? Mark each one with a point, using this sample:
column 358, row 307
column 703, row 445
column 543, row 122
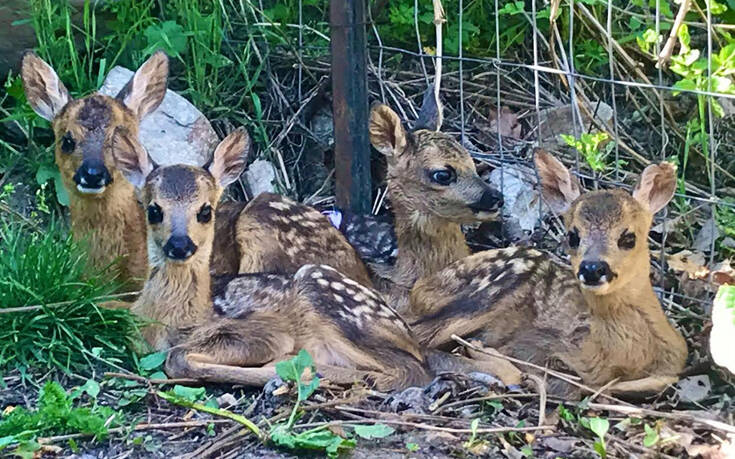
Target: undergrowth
column 49, row 303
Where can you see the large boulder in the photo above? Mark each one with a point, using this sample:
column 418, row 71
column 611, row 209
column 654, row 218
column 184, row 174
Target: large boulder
column 176, row 132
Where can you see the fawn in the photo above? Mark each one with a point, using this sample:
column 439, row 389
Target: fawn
column 255, row 318
column 230, row 328
column 601, row 318
column 101, row 202
column 434, row 188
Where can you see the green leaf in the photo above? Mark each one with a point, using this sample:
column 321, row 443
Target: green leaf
column 91, row 387
column 373, row 431
column 293, row 369
column 51, row 172
column 716, row 8
column 651, row 437
column 5, row 441
column 167, row 35
column 413, row 447
column 153, row 361
column 189, row 393
column 511, row 9
column 685, row 84
column 684, row 38
column 722, row 84
column 600, row 449
column 599, row 426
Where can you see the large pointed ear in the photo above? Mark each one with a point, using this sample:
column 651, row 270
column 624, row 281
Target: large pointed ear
column 386, row 131
column 130, row 157
column 44, row 91
column 230, row 157
column 431, row 114
column 558, row 187
column 147, row 88
column 656, row 186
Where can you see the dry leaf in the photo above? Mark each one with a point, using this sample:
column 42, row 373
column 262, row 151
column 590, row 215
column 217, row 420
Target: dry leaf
column 506, row 122
column 692, row 263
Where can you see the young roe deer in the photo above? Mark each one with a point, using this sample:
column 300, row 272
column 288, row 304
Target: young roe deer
column 232, row 328
column 101, row 202
column 601, row 318
column 434, row 188
column 257, row 318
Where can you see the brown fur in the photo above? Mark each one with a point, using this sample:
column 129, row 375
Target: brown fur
column 529, row 306
column 110, row 221
column 254, row 319
column 427, row 214
column 276, row 234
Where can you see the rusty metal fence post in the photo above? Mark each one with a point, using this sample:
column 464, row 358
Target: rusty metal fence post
column 350, row 105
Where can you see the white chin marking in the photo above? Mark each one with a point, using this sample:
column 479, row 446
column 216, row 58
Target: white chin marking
column 85, row 190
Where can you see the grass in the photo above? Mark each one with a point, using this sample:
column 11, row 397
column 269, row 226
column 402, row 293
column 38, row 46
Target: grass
column 49, row 303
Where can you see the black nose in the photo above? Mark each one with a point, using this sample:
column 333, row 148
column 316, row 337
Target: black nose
column 92, row 175
column 490, row 201
column 179, row 247
column 594, row 272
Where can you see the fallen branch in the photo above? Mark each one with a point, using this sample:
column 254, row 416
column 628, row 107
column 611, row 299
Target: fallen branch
column 668, row 49
column 634, row 410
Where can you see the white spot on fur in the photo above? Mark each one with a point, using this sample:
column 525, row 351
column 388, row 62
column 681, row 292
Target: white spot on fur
column 278, row 205
column 337, row 286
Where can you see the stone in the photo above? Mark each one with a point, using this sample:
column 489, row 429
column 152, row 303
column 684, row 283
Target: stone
column 176, row 132
column 259, row 177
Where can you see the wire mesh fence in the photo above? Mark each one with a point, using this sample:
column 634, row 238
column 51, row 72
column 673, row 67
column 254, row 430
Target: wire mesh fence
column 573, row 74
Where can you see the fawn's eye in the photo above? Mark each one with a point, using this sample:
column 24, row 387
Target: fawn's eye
column 626, row 240
column 444, row 177
column 205, row 214
column 573, row 237
column 155, row 214
column 67, row 143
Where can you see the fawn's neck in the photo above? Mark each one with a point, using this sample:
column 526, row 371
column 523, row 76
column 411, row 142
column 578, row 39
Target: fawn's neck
column 114, row 226
column 177, row 294
column 426, row 244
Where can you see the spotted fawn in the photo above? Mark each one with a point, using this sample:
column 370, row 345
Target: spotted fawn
column 600, row 318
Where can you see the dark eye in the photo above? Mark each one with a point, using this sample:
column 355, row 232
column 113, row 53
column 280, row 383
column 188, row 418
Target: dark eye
column 67, row 143
column 205, row 214
column 573, row 236
column 155, row 214
column 627, row 240
column 444, row 177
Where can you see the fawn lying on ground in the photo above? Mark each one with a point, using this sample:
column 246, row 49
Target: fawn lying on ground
column 260, row 317
column 101, row 202
column 433, row 187
column 255, row 319
column 601, row 318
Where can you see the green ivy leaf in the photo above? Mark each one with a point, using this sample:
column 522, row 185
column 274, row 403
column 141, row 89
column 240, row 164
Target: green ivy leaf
column 373, row 431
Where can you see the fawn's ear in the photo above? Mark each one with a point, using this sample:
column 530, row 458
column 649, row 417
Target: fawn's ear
column 44, row 91
column 386, row 131
column 130, row 157
column 147, row 88
column 230, row 157
column 656, row 186
column 431, row 114
column 558, row 187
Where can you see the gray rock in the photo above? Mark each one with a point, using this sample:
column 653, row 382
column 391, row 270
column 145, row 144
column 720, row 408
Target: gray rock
column 176, row 132
column 260, row 177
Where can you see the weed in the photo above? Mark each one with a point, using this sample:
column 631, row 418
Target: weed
column 588, row 145
column 598, row 426
column 56, row 415
column 49, row 313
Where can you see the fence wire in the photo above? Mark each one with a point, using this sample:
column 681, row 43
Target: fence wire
column 641, row 126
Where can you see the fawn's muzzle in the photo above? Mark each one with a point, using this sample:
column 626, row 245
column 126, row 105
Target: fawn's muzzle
column 179, row 248
column 92, row 177
column 490, row 201
column 594, row 273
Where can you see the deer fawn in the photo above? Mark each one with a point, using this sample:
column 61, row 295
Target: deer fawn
column 258, row 318
column 101, row 202
column 434, row 187
column 601, row 318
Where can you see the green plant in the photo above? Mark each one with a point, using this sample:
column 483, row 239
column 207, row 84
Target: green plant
column 56, row 415
column 319, row 438
column 588, row 145
column 49, row 302
column 598, row 426
column 651, row 437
